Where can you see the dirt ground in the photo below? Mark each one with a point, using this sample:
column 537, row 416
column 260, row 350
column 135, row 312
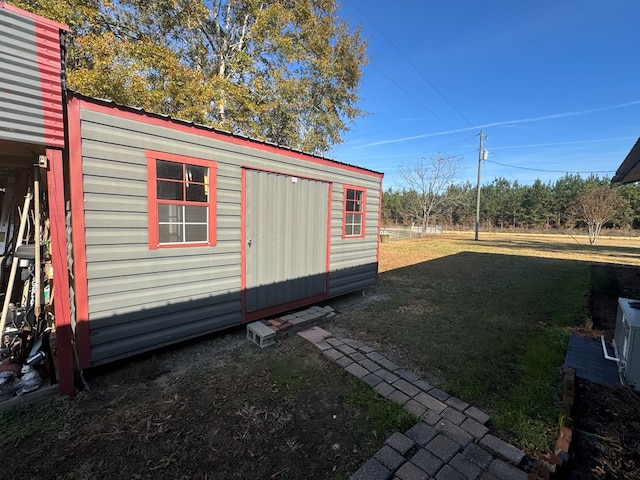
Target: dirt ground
column 606, row 435
column 217, row 409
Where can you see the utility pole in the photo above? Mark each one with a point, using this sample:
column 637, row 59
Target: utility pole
column 481, row 156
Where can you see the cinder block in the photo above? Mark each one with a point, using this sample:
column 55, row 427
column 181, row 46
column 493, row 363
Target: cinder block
column 398, row 397
column 454, row 432
column 475, row 428
column 430, row 402
column 372, row 470
column 389, row 458
column 456, row 403
column 454, row 416
column 261, row 334
column 427, row 461
column 406, row 387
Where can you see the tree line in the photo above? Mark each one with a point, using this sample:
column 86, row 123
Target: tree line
column 563, row 204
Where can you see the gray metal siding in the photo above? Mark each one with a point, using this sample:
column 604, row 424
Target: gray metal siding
column 354, row 260
column 286, row 252
column 31, row 92
column 21, row 117
column 140, row 299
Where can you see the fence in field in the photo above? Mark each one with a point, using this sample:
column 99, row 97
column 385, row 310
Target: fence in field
column 399, row 232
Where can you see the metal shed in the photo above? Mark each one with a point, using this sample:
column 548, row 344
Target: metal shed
column 151, row 230
column 179, row 230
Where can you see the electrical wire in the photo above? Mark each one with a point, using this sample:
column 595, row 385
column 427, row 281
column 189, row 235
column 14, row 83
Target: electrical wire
column 548, row 171
column 419, row 72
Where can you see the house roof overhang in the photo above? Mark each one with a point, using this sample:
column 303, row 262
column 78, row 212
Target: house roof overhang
column 629, row 169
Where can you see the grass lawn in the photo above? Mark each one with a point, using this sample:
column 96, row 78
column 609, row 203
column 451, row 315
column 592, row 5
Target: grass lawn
column 488, row 320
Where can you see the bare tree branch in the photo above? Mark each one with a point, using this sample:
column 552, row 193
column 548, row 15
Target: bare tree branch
column 430, row 179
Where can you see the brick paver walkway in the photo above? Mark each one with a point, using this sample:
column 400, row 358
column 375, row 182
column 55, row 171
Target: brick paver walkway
column 451, row 441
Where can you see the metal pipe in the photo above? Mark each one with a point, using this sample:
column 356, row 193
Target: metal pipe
column 14, row 262
column 604, row 351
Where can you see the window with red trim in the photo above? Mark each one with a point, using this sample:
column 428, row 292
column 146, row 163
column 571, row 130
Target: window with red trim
column 181, row 201
column 353, row 212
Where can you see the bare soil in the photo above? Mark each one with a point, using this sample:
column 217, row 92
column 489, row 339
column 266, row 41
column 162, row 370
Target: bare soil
column 606, row 435
column 218, row 409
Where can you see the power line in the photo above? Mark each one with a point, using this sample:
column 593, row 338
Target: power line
column 418, row 71
column 548, row 171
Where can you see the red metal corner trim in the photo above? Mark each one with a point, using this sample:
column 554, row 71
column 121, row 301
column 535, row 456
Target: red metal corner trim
column 47, row 39
column 36, row 18
column 62, row 304
column 79, row 248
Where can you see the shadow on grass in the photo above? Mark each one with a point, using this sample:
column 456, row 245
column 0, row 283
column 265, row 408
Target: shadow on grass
column 489, row 328
column 569, row 246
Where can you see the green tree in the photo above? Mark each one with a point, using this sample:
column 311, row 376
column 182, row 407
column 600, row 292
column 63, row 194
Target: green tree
column 564, row 194
column 630, row 216
column 459, row 205
column 285, row 72
column 537, row 203
column 392, row 209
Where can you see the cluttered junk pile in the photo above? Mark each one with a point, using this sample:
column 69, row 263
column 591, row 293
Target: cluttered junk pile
column 27, row 350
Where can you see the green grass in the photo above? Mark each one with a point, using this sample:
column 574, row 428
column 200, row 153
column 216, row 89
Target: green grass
column 486, row 326
column 382, row 416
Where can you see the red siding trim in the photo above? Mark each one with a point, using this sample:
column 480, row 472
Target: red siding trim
column 62, row 304
column 76, row 190
column 47, row 38
column 379, row 226
column 344, row 212
column 276, row 309
column 152, row 197
column 207, row 132
column 37, row 18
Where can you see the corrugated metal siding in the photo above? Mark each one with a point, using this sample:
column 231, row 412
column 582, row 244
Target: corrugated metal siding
column 286, row 225
column 354, row 260
column 31, row 92
column 140, row 299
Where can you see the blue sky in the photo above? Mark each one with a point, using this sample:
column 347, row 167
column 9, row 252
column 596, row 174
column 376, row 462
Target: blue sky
column 554, row 84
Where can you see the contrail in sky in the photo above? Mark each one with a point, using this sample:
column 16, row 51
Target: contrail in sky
column 505, row 122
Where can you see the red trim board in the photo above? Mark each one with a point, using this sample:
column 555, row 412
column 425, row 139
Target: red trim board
column 78, row 234
column 62, row 304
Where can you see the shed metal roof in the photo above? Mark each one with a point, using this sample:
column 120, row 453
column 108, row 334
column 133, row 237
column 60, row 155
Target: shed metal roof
column 198, row 126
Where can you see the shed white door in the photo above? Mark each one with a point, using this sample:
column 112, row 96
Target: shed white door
column 286, row 221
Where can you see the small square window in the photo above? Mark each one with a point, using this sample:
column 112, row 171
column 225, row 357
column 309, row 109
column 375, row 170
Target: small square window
column 181, row 208
column 353, row 212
